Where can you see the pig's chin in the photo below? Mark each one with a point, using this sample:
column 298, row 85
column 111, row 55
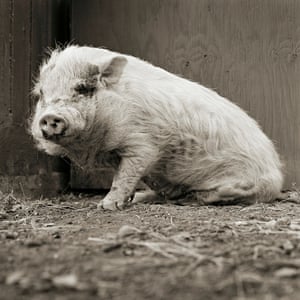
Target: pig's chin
column 58, row 144
column 50, row 147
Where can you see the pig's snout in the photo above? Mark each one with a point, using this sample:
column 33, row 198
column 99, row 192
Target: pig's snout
column 52, row 126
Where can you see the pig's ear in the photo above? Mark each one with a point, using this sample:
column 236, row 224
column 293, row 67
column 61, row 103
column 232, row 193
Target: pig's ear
column 113, row 70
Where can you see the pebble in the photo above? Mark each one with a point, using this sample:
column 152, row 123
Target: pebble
column 287, row 273
column 11, row 235
column 34, row 243
column 127, row 230
column 3, row 216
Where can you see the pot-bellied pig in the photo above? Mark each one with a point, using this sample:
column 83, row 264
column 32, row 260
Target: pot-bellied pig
column 182, row 139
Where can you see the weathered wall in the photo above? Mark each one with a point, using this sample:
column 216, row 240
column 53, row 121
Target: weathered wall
column 247, row 50
column 26, row 28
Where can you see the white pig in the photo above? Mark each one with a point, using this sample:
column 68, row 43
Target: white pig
column 182, row 139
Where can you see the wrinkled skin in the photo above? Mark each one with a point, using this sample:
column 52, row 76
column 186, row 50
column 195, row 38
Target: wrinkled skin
column 102, row 108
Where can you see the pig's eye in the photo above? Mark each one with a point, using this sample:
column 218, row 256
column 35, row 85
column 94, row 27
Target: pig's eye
column 36, row 96
column 85, row 89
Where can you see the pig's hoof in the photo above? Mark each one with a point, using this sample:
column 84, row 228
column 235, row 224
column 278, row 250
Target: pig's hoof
column 110, row 205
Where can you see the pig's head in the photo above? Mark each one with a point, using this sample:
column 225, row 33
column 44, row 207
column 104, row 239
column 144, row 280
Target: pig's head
column 69, row 89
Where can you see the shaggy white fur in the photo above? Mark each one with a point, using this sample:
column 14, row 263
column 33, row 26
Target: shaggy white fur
column 181, row 138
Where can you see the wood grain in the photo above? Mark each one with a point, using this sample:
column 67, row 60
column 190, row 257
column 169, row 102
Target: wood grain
column 5, row 70
column 247, row 50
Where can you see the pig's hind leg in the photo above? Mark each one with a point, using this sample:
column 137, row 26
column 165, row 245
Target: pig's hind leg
column 147, row 196
column 227, row 194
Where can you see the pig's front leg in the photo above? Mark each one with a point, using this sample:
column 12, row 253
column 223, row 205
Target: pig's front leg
column 130, row 171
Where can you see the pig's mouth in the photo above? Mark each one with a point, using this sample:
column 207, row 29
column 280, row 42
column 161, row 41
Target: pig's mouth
column 54, row 137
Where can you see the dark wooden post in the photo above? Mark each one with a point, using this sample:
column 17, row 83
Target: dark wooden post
column 26, row 29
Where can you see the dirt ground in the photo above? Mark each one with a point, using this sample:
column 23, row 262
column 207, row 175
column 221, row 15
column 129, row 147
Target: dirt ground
column 64, row 248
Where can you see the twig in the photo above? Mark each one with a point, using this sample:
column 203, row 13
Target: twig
column 21, row 186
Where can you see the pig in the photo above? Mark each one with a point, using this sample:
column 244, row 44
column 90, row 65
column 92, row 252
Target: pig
column 185, row 141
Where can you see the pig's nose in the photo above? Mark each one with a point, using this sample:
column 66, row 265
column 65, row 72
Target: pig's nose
column 52, row 125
